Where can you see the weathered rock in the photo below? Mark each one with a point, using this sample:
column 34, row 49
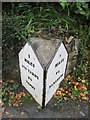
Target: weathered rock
column 46, row 49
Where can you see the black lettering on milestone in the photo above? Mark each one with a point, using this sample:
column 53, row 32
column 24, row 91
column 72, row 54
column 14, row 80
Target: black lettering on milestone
column 56, row 80
column 29, row 78
column 30, row 85
column 57, row 72
column 28, row 56
column 33, row 74
column 62, row 60
column 30, row 63
column 59, row 62
column 37, row 77
column 24, row 67
column 33, row 65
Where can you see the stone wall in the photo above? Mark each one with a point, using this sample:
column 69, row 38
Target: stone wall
column 73, row 50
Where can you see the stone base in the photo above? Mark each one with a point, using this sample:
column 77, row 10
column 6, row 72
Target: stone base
column 46, row 49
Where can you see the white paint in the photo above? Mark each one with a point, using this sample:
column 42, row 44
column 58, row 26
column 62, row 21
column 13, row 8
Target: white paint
column 32, row 72
column 51, row 72
column 37, row 83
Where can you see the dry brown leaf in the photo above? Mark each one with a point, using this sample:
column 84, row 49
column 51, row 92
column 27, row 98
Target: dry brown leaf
column 63, row 94
column 82, row 94
column 83, row 81
column 75, row 88
column 2, row 103
column 58, row 93
column 65, row 98
column 74, row 98
column 61, row 89
column 84, row 98
column 12, row 81
column 76, row 83
column 68, row 40
column 82, row 88
column 10, row 104
column 3, row 110
column 69, row 94
column 38, row 32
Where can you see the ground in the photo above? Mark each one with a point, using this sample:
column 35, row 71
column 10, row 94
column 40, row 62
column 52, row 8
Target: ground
column 30, row 109
column 70, row 109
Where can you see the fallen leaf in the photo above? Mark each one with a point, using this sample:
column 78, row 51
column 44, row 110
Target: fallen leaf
column 74, row 98
column 84, row 98
column 74, row 68
column 83, row 81
column 2, row 103
column 68, row 40
column 66, row 91
column 69, row 94
column 11, row 81
column 7, row 113
column 75, row 88
column 69, row 77
column 82, row 94
column 65, row 87
column 65, row 98
column 63, row 94
column 58, row 93
column 83, row 88
column 10, row 104
column 61, row 89
column 38, row 32
column 3, row 110
column 76, row 83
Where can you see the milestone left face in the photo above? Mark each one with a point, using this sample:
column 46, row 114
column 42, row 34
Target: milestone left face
column 31, row 73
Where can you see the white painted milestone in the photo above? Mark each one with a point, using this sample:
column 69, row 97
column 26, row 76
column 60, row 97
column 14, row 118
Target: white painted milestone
column 55, row 72
column 31, row 72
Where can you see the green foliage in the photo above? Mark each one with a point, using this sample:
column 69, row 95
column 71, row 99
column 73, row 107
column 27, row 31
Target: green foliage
column 83, row 9
column 8, row 88
column 26, row 98
column 75, row 92
column 78, row 8
column 24, row 20
column 12, row 96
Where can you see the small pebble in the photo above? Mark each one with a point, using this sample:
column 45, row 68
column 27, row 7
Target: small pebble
column 22, row 113
column 11, row 115
column 55, row 104
column 39, row 107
